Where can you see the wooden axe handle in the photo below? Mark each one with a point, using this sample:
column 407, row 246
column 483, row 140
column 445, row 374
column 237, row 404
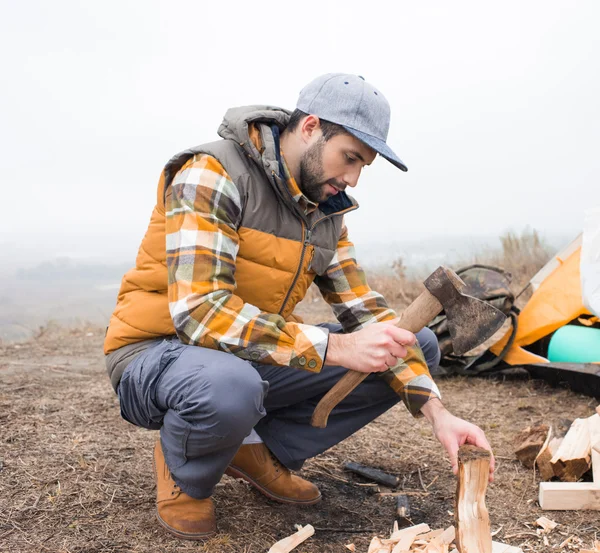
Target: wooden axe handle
column 413, row 318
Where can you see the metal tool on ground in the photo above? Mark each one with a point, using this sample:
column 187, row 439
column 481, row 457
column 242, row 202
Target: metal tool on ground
column 374, row 474
column 471, row 322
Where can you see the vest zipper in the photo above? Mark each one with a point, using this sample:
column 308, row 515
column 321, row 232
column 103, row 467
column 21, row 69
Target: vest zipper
column 307, row 234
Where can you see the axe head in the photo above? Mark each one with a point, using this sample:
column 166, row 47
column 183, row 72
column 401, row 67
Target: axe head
column 470, row 321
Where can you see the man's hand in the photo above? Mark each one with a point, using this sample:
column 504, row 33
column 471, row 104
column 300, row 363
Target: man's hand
column 374, row 348
column 453, row 432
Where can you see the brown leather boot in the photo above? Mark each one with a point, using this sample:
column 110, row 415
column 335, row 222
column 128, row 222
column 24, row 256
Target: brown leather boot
column 177, row 512
column 258, row 466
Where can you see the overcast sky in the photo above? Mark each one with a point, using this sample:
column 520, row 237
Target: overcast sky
column 495, row 109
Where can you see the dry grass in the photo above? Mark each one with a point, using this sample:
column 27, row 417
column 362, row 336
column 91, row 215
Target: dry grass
column 76, row 478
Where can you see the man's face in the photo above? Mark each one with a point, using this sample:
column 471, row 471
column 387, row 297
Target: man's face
column 327, row 167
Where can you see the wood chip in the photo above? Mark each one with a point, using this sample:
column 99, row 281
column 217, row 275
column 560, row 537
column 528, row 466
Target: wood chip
column 351, row 547
column 287, row 544
column 547, row 524
column 568, row 540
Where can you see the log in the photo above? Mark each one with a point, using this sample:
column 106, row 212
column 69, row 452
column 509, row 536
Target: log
column 373, row 474
column 287, row 544
column 529, row 442
column 473, row 533
column 563, row 496
column 573, row 457
column 549, row 449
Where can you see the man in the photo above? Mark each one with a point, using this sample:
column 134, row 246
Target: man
column 203, row 343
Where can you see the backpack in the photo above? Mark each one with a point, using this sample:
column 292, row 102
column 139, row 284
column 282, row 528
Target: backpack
column 490, row 284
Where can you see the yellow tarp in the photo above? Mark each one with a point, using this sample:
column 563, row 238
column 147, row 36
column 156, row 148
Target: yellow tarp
column 555, row 303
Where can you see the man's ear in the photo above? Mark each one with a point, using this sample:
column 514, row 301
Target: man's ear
column 310, row 128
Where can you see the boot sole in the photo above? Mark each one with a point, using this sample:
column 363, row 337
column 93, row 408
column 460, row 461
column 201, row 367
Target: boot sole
column 182, row 535
column 237, row 473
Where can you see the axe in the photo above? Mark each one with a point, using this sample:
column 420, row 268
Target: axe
column 471, row 321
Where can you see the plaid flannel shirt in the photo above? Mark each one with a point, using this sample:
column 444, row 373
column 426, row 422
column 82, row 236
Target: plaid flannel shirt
column 202, row 216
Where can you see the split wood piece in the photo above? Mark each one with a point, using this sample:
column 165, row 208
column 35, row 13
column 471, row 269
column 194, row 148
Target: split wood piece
column 428, row 536
column 529, row 442
column 442, row 541
column 287, row 544
column 473, row 532
column 402, row 507
column 594, row 428
column 351, row 547
column 563, row 496
column 373, row 474
column 573, row 457
column 498, row 547
column 404, row 538
column 378, row 545
column 549, row 449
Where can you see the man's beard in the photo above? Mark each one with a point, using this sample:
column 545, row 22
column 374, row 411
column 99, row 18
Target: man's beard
column 312, row 175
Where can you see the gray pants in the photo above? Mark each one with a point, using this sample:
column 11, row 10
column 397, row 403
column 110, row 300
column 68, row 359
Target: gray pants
column 205, row 402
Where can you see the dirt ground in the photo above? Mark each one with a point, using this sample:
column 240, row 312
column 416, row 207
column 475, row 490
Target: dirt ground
column 74, row 477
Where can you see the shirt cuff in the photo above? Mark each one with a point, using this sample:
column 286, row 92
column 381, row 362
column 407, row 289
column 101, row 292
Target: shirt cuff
column 411, row 380
column 310, row 348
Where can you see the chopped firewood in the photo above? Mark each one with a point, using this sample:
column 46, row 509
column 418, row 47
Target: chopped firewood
column 374, row 474
column 378, row 546
column 529, row 442
column 447, row 536
column 435, row 548
column 287, row 544
column 431, row 535
column 351, row 547
column 573, row 457
column 598, row 409
column 404, row 538
column 594, row 428
column 546, row 524
column 402, row 507
column 473, row 533
column 549, row 449
column 569, row 496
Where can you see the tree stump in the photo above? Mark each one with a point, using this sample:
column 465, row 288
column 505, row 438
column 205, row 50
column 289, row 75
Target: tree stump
column 473, row 534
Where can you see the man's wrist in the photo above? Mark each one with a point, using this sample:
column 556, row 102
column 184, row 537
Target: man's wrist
column 432, row 409
column 335, row 350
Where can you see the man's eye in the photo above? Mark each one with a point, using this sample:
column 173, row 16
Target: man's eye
column 350, row 158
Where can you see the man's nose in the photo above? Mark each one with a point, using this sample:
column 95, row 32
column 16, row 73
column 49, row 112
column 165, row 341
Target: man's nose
column 351, row 178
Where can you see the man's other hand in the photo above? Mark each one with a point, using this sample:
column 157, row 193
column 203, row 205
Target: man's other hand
column 372, row 349
column 453, row 432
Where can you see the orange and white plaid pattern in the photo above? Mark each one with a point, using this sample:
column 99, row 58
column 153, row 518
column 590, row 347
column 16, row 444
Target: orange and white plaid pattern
column 204, row 210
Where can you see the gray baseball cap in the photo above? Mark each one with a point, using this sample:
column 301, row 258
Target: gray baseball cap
column 350, row 101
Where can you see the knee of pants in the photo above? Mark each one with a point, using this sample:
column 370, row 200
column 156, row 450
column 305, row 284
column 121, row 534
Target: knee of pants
column 429, row 345
column 226, row 399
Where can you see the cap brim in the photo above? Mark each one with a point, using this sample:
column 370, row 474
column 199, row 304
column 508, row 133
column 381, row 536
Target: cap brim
column 379, row 146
